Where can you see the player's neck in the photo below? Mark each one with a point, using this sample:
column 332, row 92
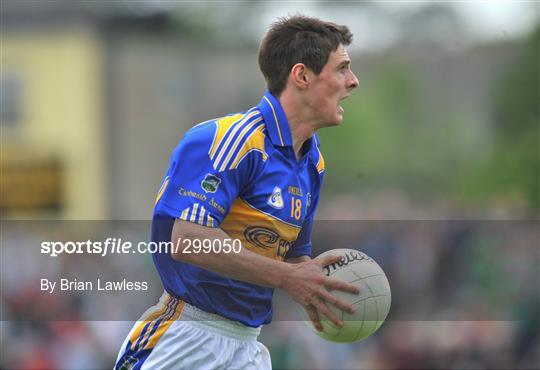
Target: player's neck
column 300, row 134
column 302, row 128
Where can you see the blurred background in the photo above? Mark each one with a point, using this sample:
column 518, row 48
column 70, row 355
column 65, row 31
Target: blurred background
column 436, row 165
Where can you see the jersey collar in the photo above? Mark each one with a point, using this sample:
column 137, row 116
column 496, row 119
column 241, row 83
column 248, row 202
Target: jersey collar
column 276, row 121
column 278, row 126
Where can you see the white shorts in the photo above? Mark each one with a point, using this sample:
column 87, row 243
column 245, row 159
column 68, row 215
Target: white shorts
column 175, row 335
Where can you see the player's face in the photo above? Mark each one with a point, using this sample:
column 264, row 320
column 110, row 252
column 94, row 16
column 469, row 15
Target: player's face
column 331, row 86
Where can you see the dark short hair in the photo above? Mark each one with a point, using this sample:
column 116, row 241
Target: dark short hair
column 298, row 39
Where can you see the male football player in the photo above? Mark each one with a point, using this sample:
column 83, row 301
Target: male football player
column 239, row 198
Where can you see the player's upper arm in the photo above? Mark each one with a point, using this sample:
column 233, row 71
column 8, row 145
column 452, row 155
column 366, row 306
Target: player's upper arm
column 196, row 188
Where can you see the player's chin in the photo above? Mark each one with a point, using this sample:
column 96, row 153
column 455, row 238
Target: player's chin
column 336, row 121
column 339, row 115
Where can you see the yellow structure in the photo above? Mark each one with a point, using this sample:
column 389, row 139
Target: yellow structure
column 54, row 152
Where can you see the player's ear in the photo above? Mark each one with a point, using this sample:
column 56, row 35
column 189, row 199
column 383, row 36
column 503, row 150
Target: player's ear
column 299, row 75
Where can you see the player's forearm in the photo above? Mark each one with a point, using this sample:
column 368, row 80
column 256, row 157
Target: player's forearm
column 298, row 259
column 246, row 265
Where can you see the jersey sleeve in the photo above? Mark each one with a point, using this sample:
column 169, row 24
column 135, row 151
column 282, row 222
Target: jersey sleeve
column 302, row 246
column 194, row 189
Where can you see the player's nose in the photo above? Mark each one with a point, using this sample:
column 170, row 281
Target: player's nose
column 353, row 81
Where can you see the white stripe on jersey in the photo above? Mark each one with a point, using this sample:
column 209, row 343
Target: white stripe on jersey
column 241, row 138
column 235, row 127
column 194, row 212
column 201, row 216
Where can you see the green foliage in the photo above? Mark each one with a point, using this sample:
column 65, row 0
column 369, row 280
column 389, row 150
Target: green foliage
column 398, row 135
column 513, row 168
column 388, row 139
column 369, row 140
column 517, row 96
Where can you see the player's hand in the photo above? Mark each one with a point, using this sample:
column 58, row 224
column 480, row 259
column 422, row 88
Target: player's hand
column 310, row 287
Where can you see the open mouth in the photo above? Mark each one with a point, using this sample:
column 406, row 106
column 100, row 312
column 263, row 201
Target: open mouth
column 341, row 110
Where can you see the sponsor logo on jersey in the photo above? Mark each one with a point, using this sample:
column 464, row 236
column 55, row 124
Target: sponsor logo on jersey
column 189, row 193
column 210, row 183
column 294, row 190
column 260, row 236
column 217, row 206
column 267, row 239
column 275, row 200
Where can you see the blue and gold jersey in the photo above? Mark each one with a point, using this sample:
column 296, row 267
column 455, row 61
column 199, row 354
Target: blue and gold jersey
column 239, row 173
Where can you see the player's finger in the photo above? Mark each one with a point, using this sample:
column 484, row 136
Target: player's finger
column 334, row 284
column 328, row 260
column 314, row 317
column 328, row 297
column 323, row 309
